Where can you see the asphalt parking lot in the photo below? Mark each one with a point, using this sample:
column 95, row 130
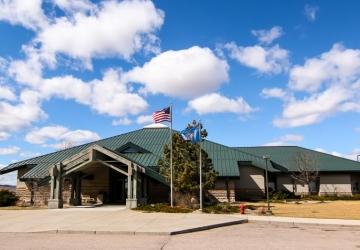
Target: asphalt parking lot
column 244, row 236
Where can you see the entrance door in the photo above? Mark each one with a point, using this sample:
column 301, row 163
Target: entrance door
column 117, row 192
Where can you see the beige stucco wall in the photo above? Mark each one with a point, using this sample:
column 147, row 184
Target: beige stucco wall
column 301, row 189
column 251, row 183
column 355, row 183
column 335, row 184
column 224, row 190
column 284, row 183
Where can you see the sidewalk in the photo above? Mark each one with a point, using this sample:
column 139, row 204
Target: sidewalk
column 109, row 221
column 294, row 220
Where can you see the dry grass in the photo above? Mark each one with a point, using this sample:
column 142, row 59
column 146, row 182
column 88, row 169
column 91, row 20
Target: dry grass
column 315, row 209
column 21, row 208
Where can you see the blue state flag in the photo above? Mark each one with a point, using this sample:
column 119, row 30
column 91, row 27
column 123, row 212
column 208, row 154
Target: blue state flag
column 191, row 134
column 196, row 135
column 187, row 134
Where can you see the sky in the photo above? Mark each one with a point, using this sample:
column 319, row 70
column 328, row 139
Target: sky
column 254, row 72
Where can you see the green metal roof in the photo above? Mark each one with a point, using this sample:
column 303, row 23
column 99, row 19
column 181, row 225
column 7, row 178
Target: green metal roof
column 285, row 156
column 225, row 159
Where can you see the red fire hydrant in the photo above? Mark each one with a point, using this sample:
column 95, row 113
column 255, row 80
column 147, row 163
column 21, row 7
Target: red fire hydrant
column 242, row 208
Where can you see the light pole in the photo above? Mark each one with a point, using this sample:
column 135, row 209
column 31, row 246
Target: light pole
column 266, row 158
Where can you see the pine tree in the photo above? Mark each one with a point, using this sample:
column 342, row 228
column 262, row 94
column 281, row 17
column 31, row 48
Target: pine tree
column 186, row 167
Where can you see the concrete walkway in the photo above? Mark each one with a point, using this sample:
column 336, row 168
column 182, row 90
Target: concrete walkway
column 106, row 220
column 294, row 220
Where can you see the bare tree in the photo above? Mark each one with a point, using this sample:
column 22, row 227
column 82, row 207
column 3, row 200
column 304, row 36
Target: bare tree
column 307, row 169
column 66, row 145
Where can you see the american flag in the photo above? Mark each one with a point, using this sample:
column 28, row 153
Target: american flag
column 163, row 115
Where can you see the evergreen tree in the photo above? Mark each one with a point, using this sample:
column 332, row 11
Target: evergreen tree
column 186, row 166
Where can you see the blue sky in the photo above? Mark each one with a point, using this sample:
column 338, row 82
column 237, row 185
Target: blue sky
column 255, row 72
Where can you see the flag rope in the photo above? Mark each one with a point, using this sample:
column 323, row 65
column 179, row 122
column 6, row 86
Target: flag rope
column 171, row 160
column 200, row 167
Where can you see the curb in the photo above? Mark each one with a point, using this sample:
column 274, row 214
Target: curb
column 175, row 232
column 207, row 227
column 306, row 221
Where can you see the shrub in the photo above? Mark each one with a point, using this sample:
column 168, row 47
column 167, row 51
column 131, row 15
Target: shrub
column 7, row 198
column 221, row 209
column 282, row 195
column 331, row 197
column 165, row 208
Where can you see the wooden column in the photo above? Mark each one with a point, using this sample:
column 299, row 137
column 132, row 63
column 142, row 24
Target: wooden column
column 131, row 201
column 78, row 189
column 129, row 186
column 135, row 182
column 55, row 200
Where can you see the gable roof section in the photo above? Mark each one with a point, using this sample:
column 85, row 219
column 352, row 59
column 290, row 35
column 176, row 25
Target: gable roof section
column 285, row 156
column 151, row 140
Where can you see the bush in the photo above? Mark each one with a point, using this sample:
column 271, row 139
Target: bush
column 282, row 195
column 165, row 208
column 221, row 209
column 7, row 198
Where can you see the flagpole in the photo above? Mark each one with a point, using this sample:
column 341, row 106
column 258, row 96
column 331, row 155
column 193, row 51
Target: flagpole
column 200, row 168
column 171, row 159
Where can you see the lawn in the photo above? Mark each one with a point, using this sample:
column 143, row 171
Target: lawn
column 315, row 209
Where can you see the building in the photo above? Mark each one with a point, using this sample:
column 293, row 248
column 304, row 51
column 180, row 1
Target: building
column 123, row 169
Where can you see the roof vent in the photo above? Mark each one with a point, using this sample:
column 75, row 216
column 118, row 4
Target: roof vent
column 156, row 125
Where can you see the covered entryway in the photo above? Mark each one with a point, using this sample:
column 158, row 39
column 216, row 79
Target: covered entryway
column 117, row 188
column 101, row 175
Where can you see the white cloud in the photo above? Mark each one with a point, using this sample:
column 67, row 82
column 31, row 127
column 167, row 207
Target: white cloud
column 216, row 103
column 75, row 5
column 40, row 136
column 66, row 87
column 144, row 119
column 80, row 136
column 56, row 136
column 184, row 73
column 29, row 71
column 351, row 155
column 310, row 12
column 313, row 109
column 4, row 136
column 268, row 36
column 270, row 60
column 337, row 66
column 122, row 121
column 8, row 179
column 275, row 93
column 26, row 13
column 9, row 150
column 286, row 140
column 17, row 116
column 7, row 94
column 331, row 84
column 27, row 154
column 3, row 63
column 111, row 96
column 115, row 29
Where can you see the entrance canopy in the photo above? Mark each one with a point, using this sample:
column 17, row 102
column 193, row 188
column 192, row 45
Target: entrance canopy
column 94, row 156
column 97, row 154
